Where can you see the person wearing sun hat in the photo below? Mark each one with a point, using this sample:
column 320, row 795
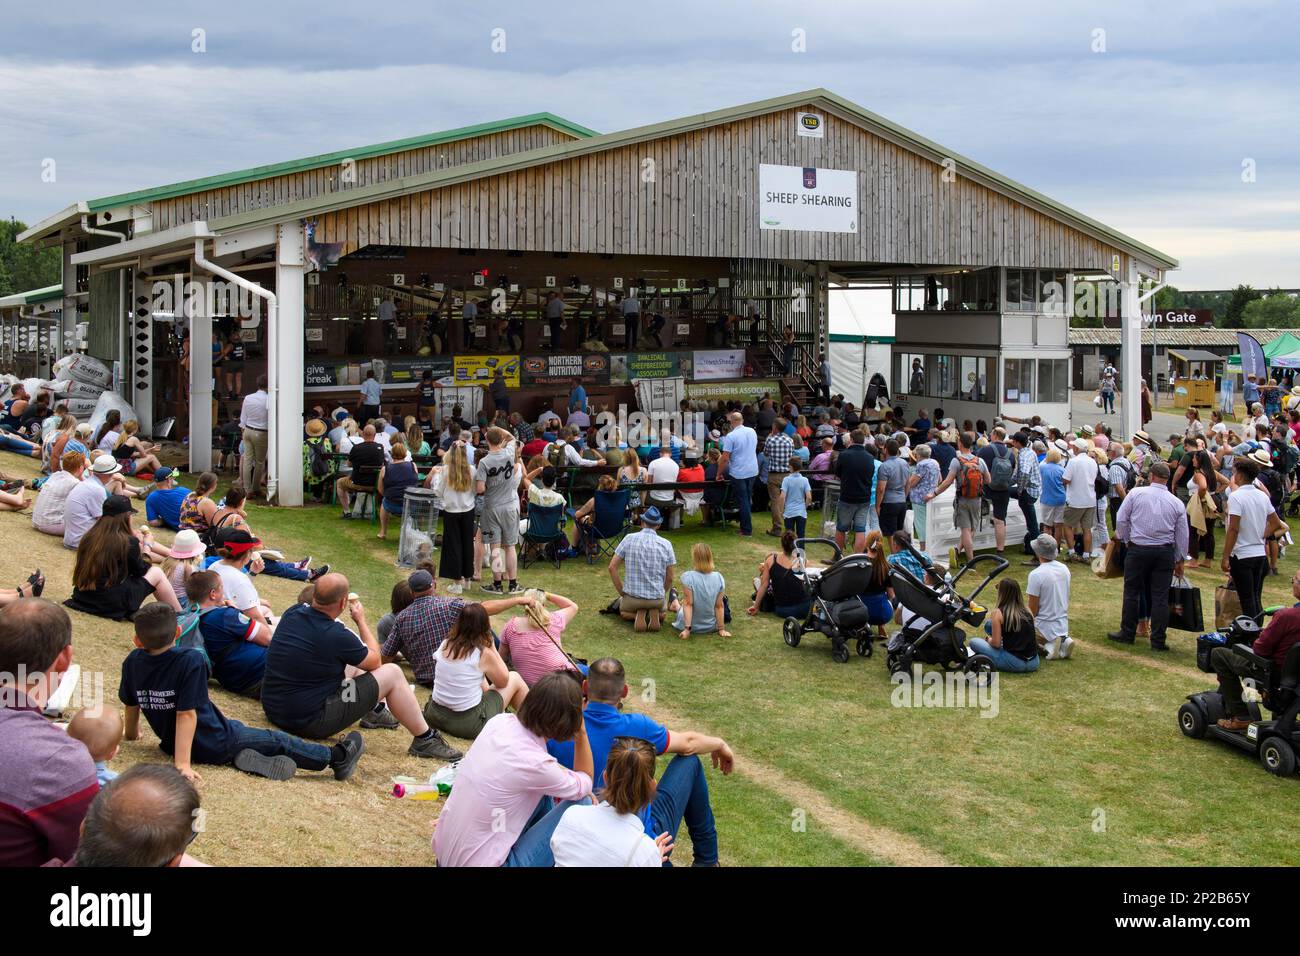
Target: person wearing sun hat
column 85, row 503
column 316, row 445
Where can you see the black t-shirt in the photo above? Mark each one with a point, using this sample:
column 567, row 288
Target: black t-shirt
column 855, row 467
column 766, row 416
column 367, row 458
column 175, row 680
column 305, row 664
column 428, row 395
column 1020, row 642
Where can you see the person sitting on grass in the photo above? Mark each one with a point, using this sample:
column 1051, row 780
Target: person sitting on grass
column 136, row 456
column 610, row 833
column 146, row 817
column 235, row 565
column 902, row 555
column 647, row 592
column 398, row 601
column 703, row 597
column 532, row 642
column 502, row 810
column 878, row 597
column 233, row 516
column 1049, row 599
column 471, row 683
column 235, row 643
column 100, row 729
column 52, row 500
column 682, row 793
column 162, row 506
column 111, row 577
column 788, row 592
column 169, row 684
column 1011, row 644
column 394, row 478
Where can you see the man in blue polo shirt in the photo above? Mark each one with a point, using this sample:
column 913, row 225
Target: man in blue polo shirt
column 739, row 462
column 682, row 794
column 163, row 506
column 578, row 397
column 234, row 642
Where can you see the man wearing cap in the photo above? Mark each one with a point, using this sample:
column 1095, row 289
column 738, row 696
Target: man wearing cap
column 1152, row 523
column 645, row 592
column 163, row 505
column 1080, row 480
column 85, row 503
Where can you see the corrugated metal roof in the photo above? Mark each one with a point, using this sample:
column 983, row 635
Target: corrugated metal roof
column 1189, row 338
column 33, row 296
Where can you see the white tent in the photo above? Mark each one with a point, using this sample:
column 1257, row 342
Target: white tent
column 861, row 337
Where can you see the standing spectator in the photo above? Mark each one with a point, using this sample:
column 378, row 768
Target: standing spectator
column 499, row 392
column 796, row 495
column 371, row 398
column 1029, row 486
column 1107, row 390
column 1252, row 520
column 787, row 351
column 1001, row 463
column 254, row 422
column 856, row 468
column 1146, row 403
column 1152, row 525
column 891, row 490
column 555, row 318
column 1049, row 599
column 631, row 319
column 971, row 476
column 824, row 385
column 739, row 462
column 778, row 449
column 468, row 321
column 921, row 483
column 453, row 484
column 317, row 452
column 498, row 479
column 1118, row 470
column 1080, row 481
column 1051, row 502
column 49, row 779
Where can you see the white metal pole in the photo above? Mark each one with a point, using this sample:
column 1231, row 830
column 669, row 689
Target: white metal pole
column 1131, row 351
column 200, row 380
column 287, row 330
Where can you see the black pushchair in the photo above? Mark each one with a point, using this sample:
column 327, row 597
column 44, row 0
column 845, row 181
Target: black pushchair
column 835, row 608
column 932, row 635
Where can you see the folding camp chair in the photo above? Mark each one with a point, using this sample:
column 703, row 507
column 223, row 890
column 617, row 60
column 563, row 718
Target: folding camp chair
column 611, row 519
column 545, row 530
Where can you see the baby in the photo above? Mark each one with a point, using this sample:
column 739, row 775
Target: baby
column 102, row 735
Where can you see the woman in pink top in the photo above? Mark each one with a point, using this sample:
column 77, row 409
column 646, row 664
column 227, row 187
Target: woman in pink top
column 502, row 809
column 531, row 643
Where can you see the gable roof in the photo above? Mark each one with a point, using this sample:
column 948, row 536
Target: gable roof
column 818, row 97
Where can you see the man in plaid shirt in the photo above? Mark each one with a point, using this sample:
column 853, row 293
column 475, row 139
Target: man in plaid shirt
column 645, row 592
column 523, row 430
column 1030, row 483
column 777, row 450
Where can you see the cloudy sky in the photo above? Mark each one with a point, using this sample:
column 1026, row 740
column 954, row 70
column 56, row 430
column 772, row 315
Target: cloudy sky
column 1149, row 134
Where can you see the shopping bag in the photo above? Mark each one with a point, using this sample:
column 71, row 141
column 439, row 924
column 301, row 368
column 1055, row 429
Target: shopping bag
column 1227, row 606
column 1111, row 562
column 1185, row 606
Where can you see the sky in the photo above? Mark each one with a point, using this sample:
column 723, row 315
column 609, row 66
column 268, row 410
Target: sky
column 1175, row 122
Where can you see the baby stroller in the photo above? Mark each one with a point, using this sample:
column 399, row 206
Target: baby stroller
column 834, row 608
column 932, row 636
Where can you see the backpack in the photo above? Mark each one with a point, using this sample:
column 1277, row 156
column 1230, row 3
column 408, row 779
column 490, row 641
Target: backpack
column 970, row 479
column 1130, row 474
column 320, row 463
column 555, row 457
column 190, row 635
column 1101, row 484
column 1003, row 470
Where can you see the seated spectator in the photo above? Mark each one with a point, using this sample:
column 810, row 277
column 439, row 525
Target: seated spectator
column 48, row 779
column 501, row 811
column 52, row 500
column 188, row 555
column 778, row 583
column 234, row 564
column 145, row 818
column 233, row 516
column 394, row 479
column 162, row 506
column 321, row 678
column 460, row 704
column 169, row 684
column 647, row 593
column 878, row 596
column 703, row 597
column 715, row 490
column 586, row 514
column 691, row 471
column 135, row 455
column 199, row 509
column 111, row 577
column 1049, row 599
column 900, row 542
column 365, row 460
column 398, row 601
column 682, row 793
column 100, row 730
column 532, row 642
column 85, row 503
column 235, row 643
column 1011, row 644
column 610, row 833
column 1274, row 642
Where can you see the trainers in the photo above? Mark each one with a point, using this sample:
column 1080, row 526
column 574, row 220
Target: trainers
column 383, row 720
column 353, row 744
column 494, row 588
column 273, row 768
column 318, row 572
column 454, row 588
column 434, row 747
column 1066, row 649
column 514, row 588
column 304, row 564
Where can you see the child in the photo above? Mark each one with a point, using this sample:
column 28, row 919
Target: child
column 102, row 735
column 797, row 495
column 170, row 684
column 235, row 643
column 187, row 556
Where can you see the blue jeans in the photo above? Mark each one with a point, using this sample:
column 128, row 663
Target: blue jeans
column 533, row 848
column 683, row 795
column 1108, row 402
column 273, row 743
column 741, row 489
column 11, row 442
column 283, row 569
column 792, row 610
column 798, row 524
column 1003, row 660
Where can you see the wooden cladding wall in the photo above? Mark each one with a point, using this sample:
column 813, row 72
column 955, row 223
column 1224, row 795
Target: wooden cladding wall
column 261, row 194
column 696, row 194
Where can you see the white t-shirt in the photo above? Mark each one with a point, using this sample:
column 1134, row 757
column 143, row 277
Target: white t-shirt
column 1081, row 473
column 1254, row 507
column 601, row 836
column 1050, row 583
column 238, row 586
column 457, row 685
column 457, row 502
column 663, row 470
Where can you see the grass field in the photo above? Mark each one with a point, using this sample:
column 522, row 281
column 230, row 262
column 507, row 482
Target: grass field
column 1082, row 764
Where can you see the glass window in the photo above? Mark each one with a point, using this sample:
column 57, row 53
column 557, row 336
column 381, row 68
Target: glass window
column 973, row 378
column 941, row 376
column 1053, row 384
column 1051, row 292
column 1018, row 380
column 909, row 373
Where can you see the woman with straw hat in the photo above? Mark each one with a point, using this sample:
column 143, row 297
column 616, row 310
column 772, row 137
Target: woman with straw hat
column 316, row 446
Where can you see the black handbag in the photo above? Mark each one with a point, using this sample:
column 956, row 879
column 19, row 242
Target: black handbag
column 1185, row 607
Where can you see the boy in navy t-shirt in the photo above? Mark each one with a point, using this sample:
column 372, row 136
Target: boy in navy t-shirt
column 236, row 644
column 170, row 685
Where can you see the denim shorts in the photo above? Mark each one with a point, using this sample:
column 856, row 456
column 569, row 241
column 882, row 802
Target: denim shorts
column 854, row 516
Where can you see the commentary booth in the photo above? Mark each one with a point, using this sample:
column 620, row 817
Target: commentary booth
column 529, row 245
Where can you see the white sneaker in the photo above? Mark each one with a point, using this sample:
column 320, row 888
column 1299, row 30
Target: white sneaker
column 455, row 589
column 1095, row 554
column 1067, row 647
column 1052, row 647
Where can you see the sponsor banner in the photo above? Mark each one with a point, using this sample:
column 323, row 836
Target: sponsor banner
column 410, row 371
column 662, row 395
column 807, row 199
column 720, row 364
column 592, row 369
column 744, row 391
column 810, row 125
column 329, row 373
column 625, row 367
column 479, row 369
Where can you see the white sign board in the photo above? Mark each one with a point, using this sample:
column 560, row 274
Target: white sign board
column 807, row 199
column 724, row 363
column 660, row 395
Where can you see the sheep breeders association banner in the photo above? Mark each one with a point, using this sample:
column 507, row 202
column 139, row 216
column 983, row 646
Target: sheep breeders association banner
column 807, row 199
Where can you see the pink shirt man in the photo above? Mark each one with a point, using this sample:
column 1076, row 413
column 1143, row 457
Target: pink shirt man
column 499, row 784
